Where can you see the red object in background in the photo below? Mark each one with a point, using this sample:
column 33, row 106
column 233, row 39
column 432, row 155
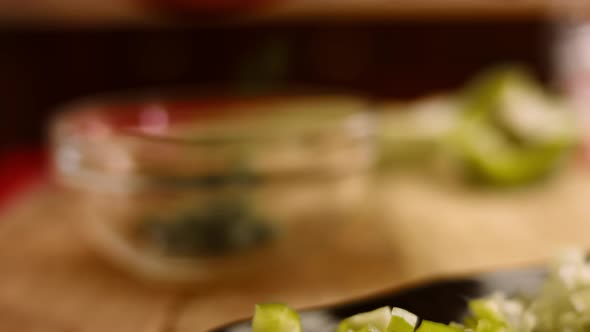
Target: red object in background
column 19, row 169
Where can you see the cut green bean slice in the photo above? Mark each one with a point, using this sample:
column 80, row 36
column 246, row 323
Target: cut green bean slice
column 402, row 321
column 378, row 319
column 275, row 317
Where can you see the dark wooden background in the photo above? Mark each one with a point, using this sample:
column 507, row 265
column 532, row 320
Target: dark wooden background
column 43, row 68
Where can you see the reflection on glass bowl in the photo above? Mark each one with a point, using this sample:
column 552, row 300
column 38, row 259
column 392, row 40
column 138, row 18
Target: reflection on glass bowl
column 195, row 188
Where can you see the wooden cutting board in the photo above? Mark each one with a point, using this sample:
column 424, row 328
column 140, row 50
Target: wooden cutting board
column 51, row 281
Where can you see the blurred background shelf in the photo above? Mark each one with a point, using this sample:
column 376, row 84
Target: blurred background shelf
column 400, row 9
column 64, row 13
column 388, row 59
column 149, row 12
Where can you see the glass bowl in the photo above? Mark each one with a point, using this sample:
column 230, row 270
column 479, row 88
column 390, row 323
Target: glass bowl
column 198, row 188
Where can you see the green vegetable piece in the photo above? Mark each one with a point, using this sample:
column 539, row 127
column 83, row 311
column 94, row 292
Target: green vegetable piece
column 369, row 328
column 516, row 105
column 484, row 93
column 511, row 166
column 275, row 317
column 470, row 323
column 483, row 309
column 378, row 319
column 402, row 321
column 511, row 131
column 485, row 325
column 457, row 326
column 428, row 326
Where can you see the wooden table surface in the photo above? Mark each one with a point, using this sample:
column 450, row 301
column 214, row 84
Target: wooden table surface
column 50, row 281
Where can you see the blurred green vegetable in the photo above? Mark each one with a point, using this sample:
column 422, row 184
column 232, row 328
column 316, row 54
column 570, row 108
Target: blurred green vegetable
column 501, row 129
column 224, row 225
column 274, row 317
column 511, row 132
